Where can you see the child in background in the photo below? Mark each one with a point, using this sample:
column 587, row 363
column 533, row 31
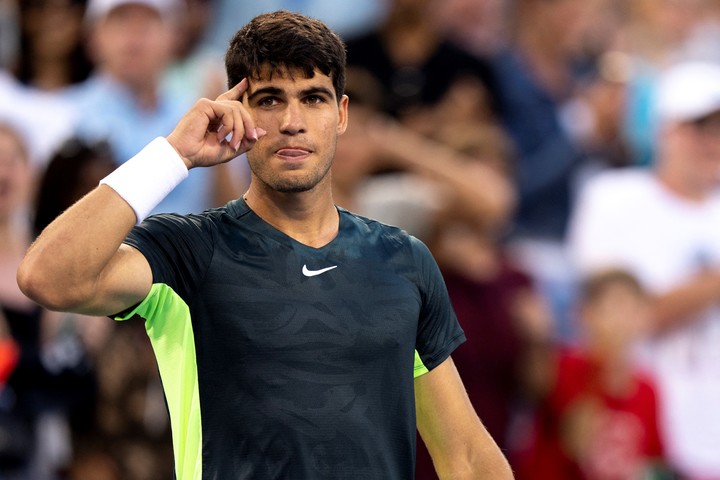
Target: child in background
column 597, row 416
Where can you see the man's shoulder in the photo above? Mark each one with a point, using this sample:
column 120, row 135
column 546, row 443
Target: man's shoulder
column 393, row 240
column 371, row 225
column 195, row 221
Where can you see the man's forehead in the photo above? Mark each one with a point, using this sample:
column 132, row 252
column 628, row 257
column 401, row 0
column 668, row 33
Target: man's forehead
column 287, row 78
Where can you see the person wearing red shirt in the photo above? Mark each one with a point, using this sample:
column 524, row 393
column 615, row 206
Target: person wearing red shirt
column 597, row 419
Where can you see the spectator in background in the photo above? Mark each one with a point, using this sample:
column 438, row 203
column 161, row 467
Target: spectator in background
column 196, row 67
column 52, row 52
column 69, row 344
column 74, row 170
column 115, row 408
column 198, row 70
column 505, row 320
column 413, row 61
column 597, row 416
column 16, row 442
column 478, row 26
column 28, row 110
column 43, row 119
column 387, row 170
column 347, row 19
column 703, row 33
column 663, row 225
column 555, row 117
column 14, row 225
column 124, row 103
column 654, row 34
column 132, row 45
column 9, row 34
column 28, row 450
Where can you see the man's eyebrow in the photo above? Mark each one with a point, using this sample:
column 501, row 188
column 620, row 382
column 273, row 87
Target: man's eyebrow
column 314, row 90
column 264, row 91
column 317, row 90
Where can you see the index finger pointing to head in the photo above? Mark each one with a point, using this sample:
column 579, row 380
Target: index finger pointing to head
column 236, row 92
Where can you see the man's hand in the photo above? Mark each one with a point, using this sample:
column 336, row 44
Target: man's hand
column 200, row 136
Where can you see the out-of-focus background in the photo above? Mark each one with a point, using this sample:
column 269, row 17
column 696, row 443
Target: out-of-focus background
column 560, row 158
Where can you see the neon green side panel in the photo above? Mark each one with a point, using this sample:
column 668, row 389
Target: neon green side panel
column 168, row 324
column 420, row 368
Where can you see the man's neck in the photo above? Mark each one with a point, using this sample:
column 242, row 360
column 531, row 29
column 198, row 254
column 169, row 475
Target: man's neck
column 310, row 218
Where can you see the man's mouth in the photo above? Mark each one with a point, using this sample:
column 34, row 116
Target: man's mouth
column 293, row 153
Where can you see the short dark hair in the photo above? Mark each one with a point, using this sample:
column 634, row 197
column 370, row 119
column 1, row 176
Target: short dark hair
column 283, row 41
column 595, row 285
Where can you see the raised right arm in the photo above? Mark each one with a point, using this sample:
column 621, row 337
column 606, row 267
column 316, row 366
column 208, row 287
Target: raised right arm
column 80, row 264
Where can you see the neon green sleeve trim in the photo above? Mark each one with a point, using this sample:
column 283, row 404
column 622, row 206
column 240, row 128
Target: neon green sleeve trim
column 420, row 368
column 169, row 326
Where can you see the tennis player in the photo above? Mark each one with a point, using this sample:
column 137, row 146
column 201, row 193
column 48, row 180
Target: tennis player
column 294, row 339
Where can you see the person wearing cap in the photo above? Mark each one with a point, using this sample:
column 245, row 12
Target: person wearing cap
column 294, row 339
column 125, row 102
column 663, row 225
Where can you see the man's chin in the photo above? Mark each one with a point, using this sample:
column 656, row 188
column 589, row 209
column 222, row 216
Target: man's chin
column 298, row 188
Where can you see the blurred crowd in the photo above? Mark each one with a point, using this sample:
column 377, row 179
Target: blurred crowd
column 560, row 158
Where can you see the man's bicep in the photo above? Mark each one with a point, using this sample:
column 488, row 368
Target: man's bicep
column 125, row 281
column 442, row 405
column 444, row 412
column 458, row 442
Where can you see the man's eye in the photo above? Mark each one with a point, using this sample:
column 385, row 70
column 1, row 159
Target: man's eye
column 314, row 99
column 268, row 102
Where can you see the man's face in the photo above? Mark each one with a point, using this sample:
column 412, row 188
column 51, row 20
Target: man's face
column 134, row 44
column 703, row 152
column 303, row 120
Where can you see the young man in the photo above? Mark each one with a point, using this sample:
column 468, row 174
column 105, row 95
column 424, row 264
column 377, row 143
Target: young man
column 285, row 328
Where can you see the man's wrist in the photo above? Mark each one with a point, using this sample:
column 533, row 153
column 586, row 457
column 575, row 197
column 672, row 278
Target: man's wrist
column 169, row 139
column 148, row 177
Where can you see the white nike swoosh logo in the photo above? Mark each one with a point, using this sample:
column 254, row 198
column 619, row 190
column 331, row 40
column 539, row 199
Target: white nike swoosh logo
column 312, row 273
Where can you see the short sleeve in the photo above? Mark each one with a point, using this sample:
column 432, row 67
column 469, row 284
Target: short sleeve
column 178, row 248
column 439, row 332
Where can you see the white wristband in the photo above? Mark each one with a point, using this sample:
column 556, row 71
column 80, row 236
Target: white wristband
column 147, row 178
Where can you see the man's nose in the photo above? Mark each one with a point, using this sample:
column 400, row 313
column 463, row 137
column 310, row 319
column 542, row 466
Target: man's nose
column 293, row 120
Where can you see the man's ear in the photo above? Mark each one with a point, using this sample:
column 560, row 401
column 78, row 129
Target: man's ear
column 343, row 114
